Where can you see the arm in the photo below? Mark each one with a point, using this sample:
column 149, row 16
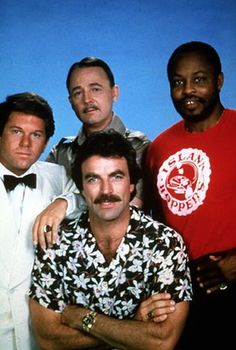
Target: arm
column 51, row 334
column 68, row 204
column 132, row 334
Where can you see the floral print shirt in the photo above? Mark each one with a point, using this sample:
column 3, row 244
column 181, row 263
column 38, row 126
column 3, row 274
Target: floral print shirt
column 151, row 258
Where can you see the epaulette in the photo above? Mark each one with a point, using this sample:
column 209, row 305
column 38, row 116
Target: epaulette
column 136, row 134
column 67, row 139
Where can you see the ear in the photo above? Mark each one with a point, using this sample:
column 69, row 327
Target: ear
column 220, row 81
column 69, row 98
column 131, row 188
column 71, row 103
column 115, row 92
column 46, row 143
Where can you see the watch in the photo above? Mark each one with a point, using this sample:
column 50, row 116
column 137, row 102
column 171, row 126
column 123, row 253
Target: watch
column 88, row 321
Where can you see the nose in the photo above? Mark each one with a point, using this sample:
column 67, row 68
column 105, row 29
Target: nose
column 106, row 187
column 188, row 87
column 87, row 96
column 25, row 141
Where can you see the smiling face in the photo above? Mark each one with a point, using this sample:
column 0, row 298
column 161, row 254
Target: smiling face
column 106, row 187
column 92, row 97
column 22, row 142
column 195, row 88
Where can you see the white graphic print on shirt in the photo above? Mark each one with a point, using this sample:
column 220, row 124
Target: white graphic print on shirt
column 183, row 180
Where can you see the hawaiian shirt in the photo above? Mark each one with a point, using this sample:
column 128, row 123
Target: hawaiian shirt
column 151, row 258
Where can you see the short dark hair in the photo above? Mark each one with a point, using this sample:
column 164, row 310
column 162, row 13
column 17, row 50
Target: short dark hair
column 90, row 62
column 108, row 143
column 194, row 46
column 28, row 103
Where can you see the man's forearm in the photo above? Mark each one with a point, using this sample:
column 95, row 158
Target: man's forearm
column 66, row 338
column 125, row 334
column 52, row 334
column 131, row 334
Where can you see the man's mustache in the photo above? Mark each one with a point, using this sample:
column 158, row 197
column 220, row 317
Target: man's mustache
column 88, row 107
column 107, row 198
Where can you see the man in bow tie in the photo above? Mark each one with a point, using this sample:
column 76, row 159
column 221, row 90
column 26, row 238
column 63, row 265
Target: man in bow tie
column 27, row 186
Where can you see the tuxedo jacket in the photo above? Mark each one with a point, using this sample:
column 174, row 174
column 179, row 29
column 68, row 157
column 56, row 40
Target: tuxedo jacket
column 17, row 252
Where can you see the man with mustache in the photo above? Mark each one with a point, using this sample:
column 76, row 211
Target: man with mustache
column 88, row 291
column 192, row 166
column 92, row 93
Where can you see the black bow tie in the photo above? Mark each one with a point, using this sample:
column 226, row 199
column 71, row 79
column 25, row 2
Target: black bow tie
column 11, row 182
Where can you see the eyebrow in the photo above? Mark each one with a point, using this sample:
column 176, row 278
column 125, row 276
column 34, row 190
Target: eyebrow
column 91, row 85
column 116, row 172
column 194, row 73
column 88, row 175
column 20, row 128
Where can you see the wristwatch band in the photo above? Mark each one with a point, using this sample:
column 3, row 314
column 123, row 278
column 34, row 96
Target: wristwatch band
column 88, row 321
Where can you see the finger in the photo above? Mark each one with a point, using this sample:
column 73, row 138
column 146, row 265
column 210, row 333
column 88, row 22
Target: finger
column 165, row 309
column 209, row 275
column 159, row 304
column 38, row 233
column 48, row 237
column 160, row 314
column 160, row 318
column 35, row 232
column 215, row 257
column 43, row 235
column 157, row 297
column 161, row 296
column 210, row 264
column 160, row 310
column 51, row 236
column 55, row 229
column 220, row 287
column 210, row 283
column 210, row 278
column 214, row 275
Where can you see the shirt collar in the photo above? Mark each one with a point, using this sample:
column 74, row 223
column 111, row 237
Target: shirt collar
column 115, row 124
column 5, row 171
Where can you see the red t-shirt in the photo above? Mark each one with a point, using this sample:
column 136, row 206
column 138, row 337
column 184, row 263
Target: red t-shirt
column 194, row 177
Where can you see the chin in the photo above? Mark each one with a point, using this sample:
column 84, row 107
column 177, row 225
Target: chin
column 194, row 118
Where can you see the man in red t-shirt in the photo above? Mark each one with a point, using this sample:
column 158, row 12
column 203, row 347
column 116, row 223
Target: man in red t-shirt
column 192, row 166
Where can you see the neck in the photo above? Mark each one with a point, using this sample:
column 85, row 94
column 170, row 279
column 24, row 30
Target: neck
column 16, row 171
column 96, row 127
column 207, row 123
column 109, row 234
